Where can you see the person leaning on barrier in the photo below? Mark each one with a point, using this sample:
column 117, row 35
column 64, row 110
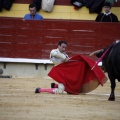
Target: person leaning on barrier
column 107, row 16
column 33, row 15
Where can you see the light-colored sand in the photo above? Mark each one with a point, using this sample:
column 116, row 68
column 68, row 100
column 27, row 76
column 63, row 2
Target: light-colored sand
column 19, row 102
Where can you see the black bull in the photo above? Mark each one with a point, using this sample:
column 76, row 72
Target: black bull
column 111, row 65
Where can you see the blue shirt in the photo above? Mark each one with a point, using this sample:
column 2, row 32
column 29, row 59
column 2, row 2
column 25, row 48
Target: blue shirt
column 36, row 17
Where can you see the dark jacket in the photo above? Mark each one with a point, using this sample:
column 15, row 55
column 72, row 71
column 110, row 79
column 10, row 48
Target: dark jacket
column 95, row 6
column 106, row 18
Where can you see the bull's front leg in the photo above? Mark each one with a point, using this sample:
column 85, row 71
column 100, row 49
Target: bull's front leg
column 113, row 85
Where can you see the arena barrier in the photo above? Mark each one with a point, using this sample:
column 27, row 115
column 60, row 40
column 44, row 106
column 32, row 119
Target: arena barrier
column 26, row 41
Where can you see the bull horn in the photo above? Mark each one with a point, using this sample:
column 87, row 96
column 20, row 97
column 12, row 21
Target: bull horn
column 96, row 52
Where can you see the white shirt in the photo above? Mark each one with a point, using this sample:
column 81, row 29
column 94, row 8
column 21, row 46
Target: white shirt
column 57, row 57
column 107, row 13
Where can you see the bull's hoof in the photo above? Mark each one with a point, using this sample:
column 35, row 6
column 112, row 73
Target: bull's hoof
column 111, row 98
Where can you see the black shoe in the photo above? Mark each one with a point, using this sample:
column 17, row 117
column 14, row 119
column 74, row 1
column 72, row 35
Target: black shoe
column 37, row 90
column 52, row 85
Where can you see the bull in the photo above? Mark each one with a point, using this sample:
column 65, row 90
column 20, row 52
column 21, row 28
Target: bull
column 111, row 64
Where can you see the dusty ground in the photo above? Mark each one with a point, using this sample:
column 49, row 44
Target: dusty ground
column 19, row 102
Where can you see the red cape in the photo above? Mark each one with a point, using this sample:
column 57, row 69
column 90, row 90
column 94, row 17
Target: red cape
column 77, row 76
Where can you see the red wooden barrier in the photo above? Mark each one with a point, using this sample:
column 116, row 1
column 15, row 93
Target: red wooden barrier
column 35, row 39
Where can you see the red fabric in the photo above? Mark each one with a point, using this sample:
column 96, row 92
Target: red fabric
column 76, row 8
column 75, row 74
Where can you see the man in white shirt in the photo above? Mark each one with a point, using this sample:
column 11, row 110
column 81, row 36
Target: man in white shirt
column 57, row 56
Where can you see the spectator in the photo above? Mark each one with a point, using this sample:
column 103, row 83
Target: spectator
column 33, row 15
column 107, row 16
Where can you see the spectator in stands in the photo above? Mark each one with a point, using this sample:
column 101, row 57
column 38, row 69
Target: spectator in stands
column 33, row 15
column 107, row 16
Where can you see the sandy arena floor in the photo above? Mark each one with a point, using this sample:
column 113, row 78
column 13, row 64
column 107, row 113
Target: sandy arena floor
column 19, row 102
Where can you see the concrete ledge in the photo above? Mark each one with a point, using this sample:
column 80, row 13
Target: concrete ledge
column 23, row 60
